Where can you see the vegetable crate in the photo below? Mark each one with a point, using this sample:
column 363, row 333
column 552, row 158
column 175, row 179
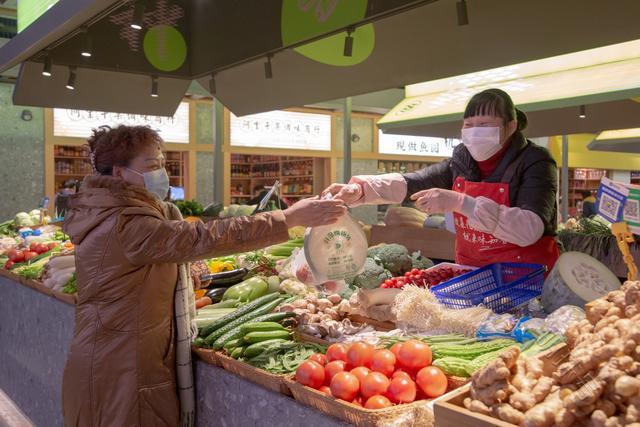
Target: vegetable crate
column 449, row 410
column 500, row 287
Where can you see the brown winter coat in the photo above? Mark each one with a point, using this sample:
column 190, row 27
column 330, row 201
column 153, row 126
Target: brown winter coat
column 120, row 369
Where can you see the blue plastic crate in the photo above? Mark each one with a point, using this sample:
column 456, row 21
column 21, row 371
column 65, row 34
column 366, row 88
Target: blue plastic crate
column 500, row 287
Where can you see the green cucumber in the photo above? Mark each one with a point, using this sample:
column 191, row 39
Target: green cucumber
column 263, row 309
column 198, row 342
column 257, row 336
column 255, row 349
column 231, row 345
column 237, row 352
column 261, row 326
column 236, row 332
column 207, row 330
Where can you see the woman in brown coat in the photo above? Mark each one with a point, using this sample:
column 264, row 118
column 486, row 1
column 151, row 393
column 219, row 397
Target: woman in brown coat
column 121, row 366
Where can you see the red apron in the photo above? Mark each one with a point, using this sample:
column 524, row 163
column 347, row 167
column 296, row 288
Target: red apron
column 477, row 248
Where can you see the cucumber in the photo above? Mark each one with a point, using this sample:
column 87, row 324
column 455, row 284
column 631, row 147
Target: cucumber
column 261, row 326
column 207, row 330
column 230, row 345
column 254, row 337
column 264, row 309
column 236, row 332
column 255, row 349
column 198, row 342
column 237, row 352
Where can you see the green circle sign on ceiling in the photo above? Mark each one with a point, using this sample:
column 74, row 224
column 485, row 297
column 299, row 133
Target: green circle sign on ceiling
column 165, row 48
column 302, row 19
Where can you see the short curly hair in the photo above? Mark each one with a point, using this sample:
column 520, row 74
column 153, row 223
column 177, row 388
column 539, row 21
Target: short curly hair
column 118, row 146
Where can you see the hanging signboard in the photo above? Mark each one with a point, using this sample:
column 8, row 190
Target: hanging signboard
column 282, row 129
column 619, row 202
column 407, row 145
column 79, row 123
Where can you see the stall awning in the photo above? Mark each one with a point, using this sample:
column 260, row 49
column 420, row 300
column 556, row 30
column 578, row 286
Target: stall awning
column 395, row 43
column 619, row 140
column 551, row 90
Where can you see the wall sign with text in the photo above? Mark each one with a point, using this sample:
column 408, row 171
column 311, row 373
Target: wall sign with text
column 79, row 123
column 408, row 145
column 282, row 129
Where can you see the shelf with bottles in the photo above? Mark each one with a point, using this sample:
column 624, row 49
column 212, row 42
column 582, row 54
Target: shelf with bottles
column 582, row 179
column 390, row 166
column 71, row 161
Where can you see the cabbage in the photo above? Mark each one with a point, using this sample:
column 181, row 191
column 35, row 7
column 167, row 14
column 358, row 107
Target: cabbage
column 23, row 219
column 35, row 216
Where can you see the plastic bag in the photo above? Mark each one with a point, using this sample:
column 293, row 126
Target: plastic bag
column 559, row 321
column 497, row 326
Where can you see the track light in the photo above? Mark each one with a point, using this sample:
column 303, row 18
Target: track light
column 348, row 42
column 463, row 17
column 583, row 112
column 138, row 14
column 87, row 44
column 268, row 71
column 71, row 82
column 46, row 69
column 212, row 84
column 154, row 86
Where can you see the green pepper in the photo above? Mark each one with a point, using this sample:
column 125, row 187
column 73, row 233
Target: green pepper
column 247, row 291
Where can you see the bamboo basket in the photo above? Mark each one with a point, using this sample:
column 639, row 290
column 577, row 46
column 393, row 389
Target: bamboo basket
column 273, row 382
column 207, row 355
column 380, row 326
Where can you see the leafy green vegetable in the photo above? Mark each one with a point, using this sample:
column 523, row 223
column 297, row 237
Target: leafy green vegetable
column 285, row 357
column 60, row 236
column 372, row 275
column 190, row 207
column 7, row 229
column 394, row 257
column 71, row 287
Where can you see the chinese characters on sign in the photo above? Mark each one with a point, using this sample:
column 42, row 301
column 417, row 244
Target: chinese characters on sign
column 78, row 123
column 282, row 129
column 474, row 236
column 416, row 145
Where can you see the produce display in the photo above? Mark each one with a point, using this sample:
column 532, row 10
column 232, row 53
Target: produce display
column 425, row 278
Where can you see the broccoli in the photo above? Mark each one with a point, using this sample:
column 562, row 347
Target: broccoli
column 372, row 276
column 394, row 257
column 420, row 262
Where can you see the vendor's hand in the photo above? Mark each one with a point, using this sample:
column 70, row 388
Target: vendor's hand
column 314, row 212
column 348, row 193
column 438, row 200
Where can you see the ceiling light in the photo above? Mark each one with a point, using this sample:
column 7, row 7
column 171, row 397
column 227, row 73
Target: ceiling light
column 46, row 69
column 138, row 15
column 348, row 42
column 71, row 83
column 268, row 71
column 583, row 112
column 154, row 86
column 463, row 16
column 87, row 44
column 212, row 84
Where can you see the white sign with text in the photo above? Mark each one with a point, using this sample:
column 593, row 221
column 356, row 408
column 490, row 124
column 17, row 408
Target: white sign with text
column 408, row 145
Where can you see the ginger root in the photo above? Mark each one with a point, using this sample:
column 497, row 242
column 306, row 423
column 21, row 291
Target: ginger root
column 494, row 393
column 476, row 406
column 570, row 372
column 507, row 413
column 627, row 386
column 544, row 414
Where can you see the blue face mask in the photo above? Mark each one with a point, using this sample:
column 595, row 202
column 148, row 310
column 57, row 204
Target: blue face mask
column 156, row 182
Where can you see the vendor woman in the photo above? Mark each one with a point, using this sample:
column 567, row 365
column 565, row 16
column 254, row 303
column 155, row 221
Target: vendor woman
column 129, row 362
column 500, row 187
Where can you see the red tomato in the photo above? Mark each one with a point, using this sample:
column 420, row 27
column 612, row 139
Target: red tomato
column 357, row 401
column 52, row 245
column 8, row 265
column 345, row 386
column 383, row 361
column 326, row 390
column 360, row 354
column 361, row 373
column 33, row 247
column 310, row 373
column 395, row 349
column 333, row 368
column 29, row 255
column 414, row 354
column 15, row 255
column 432, row 381
column 377, row 402
column 402, row 374
column 374, row 383
column 402, row 390
column 337, row 352
column 318, row 357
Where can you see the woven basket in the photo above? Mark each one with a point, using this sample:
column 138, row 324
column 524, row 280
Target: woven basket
column 261, row 377
column 380, row 326
column 207, row 355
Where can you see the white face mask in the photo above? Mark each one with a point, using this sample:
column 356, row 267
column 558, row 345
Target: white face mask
column 156, row 182
column 482, row 142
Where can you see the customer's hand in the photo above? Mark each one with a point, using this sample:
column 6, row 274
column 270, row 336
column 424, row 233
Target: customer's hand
column 314, row 212
column 348, row 193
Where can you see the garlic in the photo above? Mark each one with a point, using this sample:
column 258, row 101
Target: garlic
column 335, row 299
column 323, row 304
column 311, row 308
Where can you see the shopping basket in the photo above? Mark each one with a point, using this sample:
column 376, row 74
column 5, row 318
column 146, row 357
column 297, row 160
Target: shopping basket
column 500, row 287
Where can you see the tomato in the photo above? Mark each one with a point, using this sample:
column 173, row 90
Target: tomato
column 374, row 383
column 318, row 357
column 414, row 354
column 377, row 402
column 395, row 349
column 357, row 401
column 402, row 390
column 33, row 247
column 360, row 354
column 432, row 381
column 360, row 372
column 345, row 386
column 8, row 265
column 333, row 368
column 15, row 255
column 28, row 255
column 337, row 352
column 383, row 361
column 310, row 373
column 326, row 390
column 52, row 245
column 403, row 374
column 42, row 248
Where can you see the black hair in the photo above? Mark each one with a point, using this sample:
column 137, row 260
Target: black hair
column 495, row 102
column 585, row 193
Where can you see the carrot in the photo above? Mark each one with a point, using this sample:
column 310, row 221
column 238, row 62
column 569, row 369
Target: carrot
column 200, row 293
column 203, row 302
